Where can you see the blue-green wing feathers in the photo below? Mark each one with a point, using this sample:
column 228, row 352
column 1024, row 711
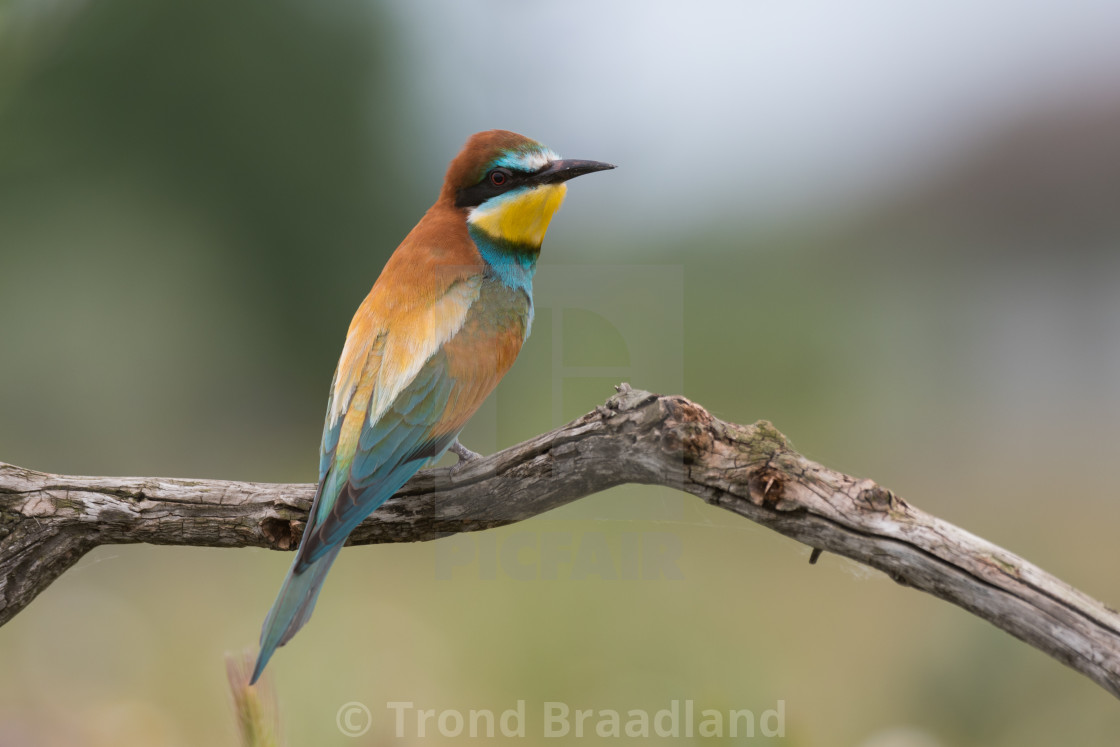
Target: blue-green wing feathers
column 388, row 452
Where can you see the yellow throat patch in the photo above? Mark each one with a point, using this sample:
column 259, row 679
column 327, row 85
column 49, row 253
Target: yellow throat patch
column 520, row 217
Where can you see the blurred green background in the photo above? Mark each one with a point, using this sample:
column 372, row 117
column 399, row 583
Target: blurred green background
column 891, row 229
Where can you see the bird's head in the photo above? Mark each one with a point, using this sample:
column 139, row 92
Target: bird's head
column 510, row 186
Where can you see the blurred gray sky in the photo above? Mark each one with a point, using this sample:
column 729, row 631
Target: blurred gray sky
column 764, row 108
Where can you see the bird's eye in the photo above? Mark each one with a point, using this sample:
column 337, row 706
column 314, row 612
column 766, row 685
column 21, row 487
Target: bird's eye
column 498, row 177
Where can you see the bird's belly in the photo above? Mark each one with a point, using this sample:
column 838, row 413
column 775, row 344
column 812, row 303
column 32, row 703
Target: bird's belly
column 484, row 348
column 495, row 325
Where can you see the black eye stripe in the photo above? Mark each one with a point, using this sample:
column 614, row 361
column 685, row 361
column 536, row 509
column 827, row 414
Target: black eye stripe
column 477, row 194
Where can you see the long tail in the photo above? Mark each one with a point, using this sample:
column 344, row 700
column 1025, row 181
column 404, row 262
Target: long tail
column 293, row 606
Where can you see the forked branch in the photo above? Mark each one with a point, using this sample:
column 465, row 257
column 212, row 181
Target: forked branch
column 47, row 522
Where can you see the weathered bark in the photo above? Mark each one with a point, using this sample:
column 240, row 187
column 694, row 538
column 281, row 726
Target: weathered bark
column 47, row 522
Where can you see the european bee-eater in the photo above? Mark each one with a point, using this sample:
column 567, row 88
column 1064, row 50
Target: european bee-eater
column 442, row 324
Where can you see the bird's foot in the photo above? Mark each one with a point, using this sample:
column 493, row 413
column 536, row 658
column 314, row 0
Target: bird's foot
column 465, row 455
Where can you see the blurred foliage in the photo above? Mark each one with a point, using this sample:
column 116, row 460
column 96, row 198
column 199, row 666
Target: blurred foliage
column 189, row 175
column 195, row 196
column 255, row 707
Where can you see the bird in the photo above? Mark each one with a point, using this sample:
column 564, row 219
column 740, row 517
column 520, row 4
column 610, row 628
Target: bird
column 441, row 326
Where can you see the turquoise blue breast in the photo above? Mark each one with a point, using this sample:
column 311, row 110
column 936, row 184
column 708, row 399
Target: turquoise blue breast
column 512, row 264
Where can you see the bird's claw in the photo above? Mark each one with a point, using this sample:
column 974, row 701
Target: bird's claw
column 465, row 455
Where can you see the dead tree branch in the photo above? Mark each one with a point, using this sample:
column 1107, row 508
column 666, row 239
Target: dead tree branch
column 47, row 522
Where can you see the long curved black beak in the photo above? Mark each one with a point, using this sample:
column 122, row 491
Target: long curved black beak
column 562, row 171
